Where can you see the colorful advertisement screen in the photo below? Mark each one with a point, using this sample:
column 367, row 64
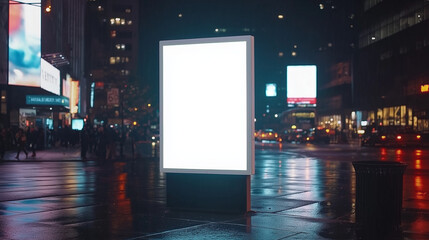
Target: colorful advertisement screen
column 207, row 97
column 24, row 43
column 301, row 86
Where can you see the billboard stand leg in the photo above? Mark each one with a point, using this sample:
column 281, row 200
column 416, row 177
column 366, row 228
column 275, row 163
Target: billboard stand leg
column 208, row 192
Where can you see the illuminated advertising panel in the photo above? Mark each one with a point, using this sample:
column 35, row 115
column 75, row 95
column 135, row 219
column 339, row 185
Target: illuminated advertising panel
column 74, row 97
column 77, row 124
column 301, row 86
column 206, row 96
column 67, row 86
column 49, row 77
column 271, row 90
column 24, row 43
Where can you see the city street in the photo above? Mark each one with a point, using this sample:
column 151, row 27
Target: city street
column 298, row 192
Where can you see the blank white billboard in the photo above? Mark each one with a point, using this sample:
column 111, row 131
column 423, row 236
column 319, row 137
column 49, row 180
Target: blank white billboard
column 207, row 105
column 302, row 85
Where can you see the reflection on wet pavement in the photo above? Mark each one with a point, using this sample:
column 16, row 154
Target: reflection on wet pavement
column 298, row 192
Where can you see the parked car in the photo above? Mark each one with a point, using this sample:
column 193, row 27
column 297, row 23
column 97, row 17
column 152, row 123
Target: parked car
column 295, row 135
column 318, row 136
column 267, row 135
column 394, row 136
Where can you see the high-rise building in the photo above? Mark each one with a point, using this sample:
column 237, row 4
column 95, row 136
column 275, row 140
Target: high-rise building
column 338, row 44
column 113, row 42
column 391, row 77
column 3, row 64
column 54, row 31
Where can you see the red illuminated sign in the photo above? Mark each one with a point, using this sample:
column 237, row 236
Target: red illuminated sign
column 301, row 100
column 99, row 85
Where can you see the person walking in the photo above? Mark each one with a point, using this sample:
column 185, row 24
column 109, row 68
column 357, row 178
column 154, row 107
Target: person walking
column 33, row 137
column 21, row 140
column 84, row 139
column 2, row 143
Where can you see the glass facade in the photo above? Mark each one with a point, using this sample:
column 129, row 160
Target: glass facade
column 396, row 23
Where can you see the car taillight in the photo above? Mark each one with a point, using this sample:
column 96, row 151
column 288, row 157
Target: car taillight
column 383, row 137
column 263, row 135
column 399, row 137
column 418, row 137
column 275, row 135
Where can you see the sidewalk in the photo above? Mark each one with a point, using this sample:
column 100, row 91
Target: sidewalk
column 298, row 193
column 72, row 153
column 52, row 154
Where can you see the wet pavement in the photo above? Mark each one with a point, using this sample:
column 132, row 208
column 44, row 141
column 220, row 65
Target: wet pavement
column 298, row 192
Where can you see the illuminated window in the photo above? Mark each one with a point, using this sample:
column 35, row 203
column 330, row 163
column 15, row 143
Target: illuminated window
column 113, row 33
column 112, row 21
column 112, row 60
column 130, row 22
column 117, row 21
column 128, row 10
column 118, row 46
column 220, row 30
column 122, row 21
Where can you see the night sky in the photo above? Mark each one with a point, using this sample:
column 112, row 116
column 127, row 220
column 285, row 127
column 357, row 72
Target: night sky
column 304, row 24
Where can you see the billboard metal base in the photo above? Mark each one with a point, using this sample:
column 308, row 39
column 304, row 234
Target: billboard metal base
column 208, row 192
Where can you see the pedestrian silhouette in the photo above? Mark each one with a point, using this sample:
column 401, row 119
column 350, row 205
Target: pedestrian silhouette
column 21, row 140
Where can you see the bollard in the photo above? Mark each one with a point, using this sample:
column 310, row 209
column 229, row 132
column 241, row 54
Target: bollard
column 378, row 198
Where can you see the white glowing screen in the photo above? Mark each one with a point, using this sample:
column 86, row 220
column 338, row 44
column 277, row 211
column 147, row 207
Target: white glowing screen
column 270, row 90
column 207, row 108
column 49, row 77
column 302, row 85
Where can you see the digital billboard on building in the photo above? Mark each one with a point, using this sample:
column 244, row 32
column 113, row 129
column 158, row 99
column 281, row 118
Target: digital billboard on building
column 301, row 86
column 24, row 43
